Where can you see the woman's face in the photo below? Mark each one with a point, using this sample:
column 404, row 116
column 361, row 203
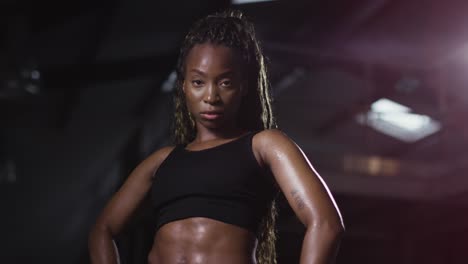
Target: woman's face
column 213, row 85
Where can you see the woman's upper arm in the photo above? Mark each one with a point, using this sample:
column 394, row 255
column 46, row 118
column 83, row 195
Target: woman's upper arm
column 124, row 202
column 306, row 192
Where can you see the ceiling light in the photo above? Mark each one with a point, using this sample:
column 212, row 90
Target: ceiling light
column 398, row 121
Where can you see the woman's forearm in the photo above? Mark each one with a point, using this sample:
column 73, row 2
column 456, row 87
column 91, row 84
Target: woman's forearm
column 102, row 248
column 320, row 244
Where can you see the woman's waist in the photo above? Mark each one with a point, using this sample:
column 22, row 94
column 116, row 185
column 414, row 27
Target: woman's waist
column 200, row 234
column 167, row 256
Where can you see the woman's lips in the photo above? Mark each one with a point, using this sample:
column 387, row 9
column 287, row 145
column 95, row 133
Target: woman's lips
column 211, row 115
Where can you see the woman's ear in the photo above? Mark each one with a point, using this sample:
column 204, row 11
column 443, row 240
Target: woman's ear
column 183, row 86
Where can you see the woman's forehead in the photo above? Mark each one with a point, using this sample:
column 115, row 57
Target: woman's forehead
column 210, row 56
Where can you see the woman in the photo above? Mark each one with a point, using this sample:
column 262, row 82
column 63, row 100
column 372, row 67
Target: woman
column 214, row 190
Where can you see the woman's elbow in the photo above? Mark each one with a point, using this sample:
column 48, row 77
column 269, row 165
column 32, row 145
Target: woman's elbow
column 98, row 233
column 330, row 227
column 338, row 230
column 334, row 224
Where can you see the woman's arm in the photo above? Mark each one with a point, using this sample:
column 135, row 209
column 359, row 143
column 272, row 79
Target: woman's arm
column 119, row 209
column 306, row 193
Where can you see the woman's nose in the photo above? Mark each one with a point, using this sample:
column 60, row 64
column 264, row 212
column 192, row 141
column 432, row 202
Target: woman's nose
column 211, row 95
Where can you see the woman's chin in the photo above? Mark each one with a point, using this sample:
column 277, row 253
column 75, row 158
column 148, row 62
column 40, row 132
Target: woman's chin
column 214, row 124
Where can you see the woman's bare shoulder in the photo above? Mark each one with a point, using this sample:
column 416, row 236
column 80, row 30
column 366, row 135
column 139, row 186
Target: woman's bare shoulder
column 269, row 140
column 162, row 153
column 265, row 138
column 157, row 157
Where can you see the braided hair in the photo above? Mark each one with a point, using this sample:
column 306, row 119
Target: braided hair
column 232, row 29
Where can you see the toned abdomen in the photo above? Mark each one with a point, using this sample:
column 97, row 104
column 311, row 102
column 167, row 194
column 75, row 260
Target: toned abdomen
column 202, row 240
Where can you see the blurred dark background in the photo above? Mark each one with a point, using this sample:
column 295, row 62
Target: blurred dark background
column 85, row 94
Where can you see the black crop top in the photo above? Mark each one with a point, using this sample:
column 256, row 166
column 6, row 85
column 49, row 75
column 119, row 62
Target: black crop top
column 224, row 183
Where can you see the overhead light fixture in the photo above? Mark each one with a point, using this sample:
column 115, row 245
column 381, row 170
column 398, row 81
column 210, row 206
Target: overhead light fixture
column 396, row 120
column 240, row 2
column 169, row 84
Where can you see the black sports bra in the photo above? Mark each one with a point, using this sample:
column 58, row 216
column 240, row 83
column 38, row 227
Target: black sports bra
column 224, row 183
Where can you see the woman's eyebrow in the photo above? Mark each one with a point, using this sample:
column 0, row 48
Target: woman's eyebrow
column 198, row 71
column 228, row 72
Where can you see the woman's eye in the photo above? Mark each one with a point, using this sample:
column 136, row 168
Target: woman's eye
column 197, row 82
column 226, row 83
